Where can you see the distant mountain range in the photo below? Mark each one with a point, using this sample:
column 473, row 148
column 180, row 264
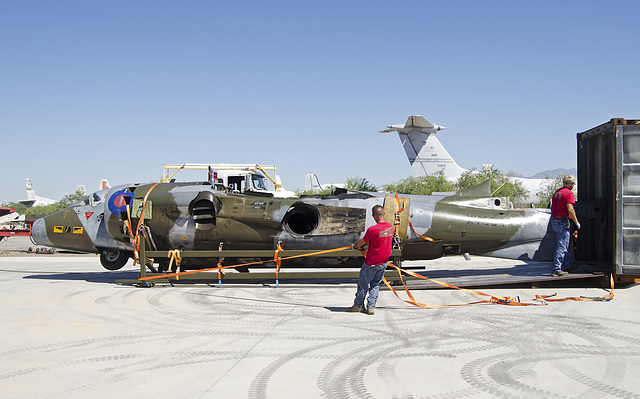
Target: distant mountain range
column 553, row 173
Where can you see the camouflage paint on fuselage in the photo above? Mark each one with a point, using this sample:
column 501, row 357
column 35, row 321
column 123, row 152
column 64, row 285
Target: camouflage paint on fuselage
column 196, row 216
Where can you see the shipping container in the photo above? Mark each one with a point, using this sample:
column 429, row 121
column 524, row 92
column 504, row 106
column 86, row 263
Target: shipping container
column 608, row 203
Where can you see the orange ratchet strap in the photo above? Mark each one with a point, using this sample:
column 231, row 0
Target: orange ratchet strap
column 604, row 298
column 220, row 271
column 510, row 301
column 135, row 237
column 408, row 218
column 175, row 255
column 278, row 261
column 243, row 264
column 396, row 221
column 419, row 235
column 493, row 299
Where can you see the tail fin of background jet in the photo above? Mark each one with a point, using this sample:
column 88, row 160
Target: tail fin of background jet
column 32, row 199
column 426, row 154
column 31, row 193
column 311, row 183
column 104, row 184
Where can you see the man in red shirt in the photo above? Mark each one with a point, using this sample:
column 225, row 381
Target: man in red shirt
column 562, row 213
column 380, row 240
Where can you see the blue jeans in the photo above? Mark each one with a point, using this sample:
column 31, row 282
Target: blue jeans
column 562, row 256
column 369, row 280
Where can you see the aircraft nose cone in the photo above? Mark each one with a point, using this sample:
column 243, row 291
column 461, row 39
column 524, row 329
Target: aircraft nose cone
column 39, row 233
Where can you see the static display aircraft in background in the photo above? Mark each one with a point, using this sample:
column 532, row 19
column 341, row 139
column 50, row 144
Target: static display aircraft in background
column 428, row 156
column 12, row 223
column 35, row 200
column 312, row 184
column 32, row 198
column 200, row 216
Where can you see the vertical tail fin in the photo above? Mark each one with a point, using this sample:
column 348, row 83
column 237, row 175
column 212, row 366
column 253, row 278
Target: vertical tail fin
column 31, row 193
column 426, row 154
column 311, row 182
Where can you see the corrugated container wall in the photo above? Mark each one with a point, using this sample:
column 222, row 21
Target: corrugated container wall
column 609, row 195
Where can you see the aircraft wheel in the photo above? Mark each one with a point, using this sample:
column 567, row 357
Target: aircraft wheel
column 113, row 259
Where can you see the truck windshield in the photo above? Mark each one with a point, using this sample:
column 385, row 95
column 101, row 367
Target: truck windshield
column 258, row 182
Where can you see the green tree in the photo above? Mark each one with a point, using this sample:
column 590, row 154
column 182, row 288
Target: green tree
column 359, row 184
column 324, row 191
column 20, row 208
column 501, row 184
column 70, row 199
column 547, row 190
column 35, row 212
column 352, row 183
column 423, row 185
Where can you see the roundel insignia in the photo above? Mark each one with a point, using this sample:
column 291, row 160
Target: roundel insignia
column 118, row 201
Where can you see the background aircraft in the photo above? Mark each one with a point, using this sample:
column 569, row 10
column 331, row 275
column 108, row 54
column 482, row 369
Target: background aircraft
column 12, row 223
column 311, row 183
column 428, row 156
column 197, row 216
column 32, row 198
column 8, row 214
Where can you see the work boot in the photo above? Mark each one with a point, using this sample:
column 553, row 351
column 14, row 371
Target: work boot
column 369, row 311
column 354, row 309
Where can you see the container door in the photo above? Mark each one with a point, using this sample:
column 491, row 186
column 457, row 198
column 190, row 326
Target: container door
column 628, row 199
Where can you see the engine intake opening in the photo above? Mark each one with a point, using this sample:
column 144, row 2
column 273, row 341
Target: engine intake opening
column 204, row 210
column 301, row 219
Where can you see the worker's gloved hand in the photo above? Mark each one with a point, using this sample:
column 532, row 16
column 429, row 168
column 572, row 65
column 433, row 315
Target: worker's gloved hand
column 578, row 225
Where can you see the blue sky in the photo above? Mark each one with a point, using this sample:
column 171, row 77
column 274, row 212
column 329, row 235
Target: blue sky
column 114, row 89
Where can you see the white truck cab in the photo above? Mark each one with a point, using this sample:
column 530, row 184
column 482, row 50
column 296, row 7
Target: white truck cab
column 235, row 178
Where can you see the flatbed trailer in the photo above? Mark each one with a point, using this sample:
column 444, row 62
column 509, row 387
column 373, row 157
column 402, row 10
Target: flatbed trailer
column 22, row 228
column 148, row 274
column 456, row 270
column 13, row 233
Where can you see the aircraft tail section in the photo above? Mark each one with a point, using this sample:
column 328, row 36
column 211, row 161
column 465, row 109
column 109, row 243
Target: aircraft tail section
column 104, row 184
column 425, row 152
column 311, row 182
column 431, row 156
column 32, row 199
column 31, row 193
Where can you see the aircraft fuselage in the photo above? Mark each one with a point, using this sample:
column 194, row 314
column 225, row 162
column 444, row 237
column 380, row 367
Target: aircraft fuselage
column 196, row 216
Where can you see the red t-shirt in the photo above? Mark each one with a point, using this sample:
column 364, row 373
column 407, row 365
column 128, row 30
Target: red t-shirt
column 380, row 239
column 560, row 200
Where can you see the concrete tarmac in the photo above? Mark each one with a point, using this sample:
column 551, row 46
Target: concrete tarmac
column 68, row 331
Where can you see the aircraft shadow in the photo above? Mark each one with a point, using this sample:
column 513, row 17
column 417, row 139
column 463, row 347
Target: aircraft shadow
column 90, row 277
column 485, row 274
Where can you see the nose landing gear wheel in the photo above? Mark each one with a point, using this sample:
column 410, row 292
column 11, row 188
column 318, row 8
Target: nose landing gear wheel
column 113, row 259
